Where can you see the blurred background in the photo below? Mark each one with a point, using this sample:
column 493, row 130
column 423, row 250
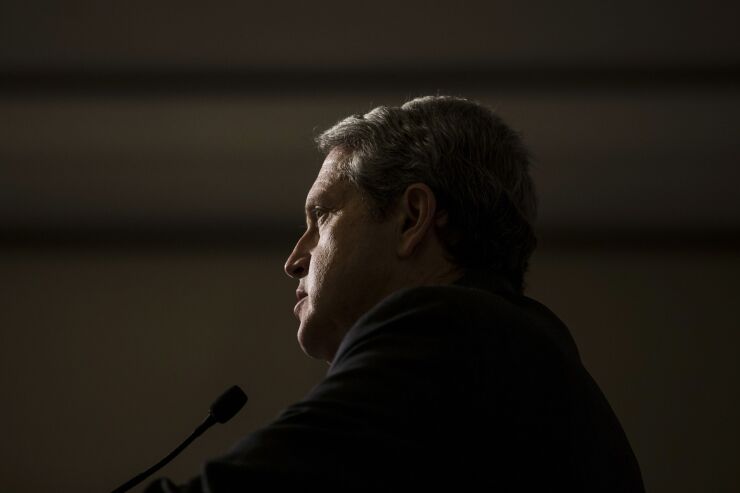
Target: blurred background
column 154, row 160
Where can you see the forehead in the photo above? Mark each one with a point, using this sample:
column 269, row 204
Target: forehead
column 330, row 181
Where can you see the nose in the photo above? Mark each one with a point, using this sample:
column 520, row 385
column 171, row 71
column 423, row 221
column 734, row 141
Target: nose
column 297, row 264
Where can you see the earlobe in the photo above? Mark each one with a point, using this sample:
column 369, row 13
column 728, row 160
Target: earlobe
column 418, row 208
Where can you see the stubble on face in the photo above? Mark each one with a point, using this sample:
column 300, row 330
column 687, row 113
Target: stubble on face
column 349, row 261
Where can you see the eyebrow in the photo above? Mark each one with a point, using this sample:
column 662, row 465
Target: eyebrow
column 322, row 194
column 311, row 203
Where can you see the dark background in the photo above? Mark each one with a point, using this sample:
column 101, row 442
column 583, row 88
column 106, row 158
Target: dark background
column 154, row 159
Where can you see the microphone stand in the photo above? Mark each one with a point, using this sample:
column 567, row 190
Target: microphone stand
column 222, row 410
column 207, row 423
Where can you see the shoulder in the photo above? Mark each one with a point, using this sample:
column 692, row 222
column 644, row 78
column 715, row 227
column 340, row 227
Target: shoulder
column 452, row 318
column 448, row 314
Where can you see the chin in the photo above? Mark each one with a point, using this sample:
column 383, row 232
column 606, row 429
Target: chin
column 306, row 340
column 312, row 343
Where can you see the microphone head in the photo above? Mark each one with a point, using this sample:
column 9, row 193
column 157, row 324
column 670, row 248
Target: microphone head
column 225, row 407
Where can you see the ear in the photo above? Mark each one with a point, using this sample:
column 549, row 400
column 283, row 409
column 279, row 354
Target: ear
column 418, row 208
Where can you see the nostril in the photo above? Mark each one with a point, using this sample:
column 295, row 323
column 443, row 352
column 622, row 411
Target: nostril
column 297, row 263
column 295, row 269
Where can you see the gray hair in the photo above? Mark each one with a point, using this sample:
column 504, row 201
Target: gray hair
column 477, row 167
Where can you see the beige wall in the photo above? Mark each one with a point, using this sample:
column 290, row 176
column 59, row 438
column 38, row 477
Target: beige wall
column 109, row 357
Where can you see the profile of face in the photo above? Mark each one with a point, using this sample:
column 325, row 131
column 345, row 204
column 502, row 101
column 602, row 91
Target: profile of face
column 345, row 261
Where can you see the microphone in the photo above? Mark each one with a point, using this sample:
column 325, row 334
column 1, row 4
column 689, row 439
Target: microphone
column 223, row 409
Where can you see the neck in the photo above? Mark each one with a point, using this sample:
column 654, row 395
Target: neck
column 429, row 275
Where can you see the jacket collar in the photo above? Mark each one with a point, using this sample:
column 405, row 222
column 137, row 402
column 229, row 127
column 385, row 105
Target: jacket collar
column 487, row 280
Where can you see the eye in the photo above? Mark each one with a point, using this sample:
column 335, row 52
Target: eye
column 318, row 213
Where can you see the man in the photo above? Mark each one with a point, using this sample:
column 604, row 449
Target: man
column 442, row 373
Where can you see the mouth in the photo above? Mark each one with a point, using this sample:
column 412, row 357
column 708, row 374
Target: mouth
column 300, row 294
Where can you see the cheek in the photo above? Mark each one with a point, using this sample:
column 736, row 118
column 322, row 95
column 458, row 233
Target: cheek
column 323, row 262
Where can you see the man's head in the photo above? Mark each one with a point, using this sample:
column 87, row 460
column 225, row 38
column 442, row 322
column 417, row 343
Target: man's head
column 409, row 196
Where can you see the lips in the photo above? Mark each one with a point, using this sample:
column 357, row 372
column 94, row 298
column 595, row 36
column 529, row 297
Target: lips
column 296, row 309
column 299, row 294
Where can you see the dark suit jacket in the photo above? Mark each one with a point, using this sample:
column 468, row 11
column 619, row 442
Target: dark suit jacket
column 462, row 387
